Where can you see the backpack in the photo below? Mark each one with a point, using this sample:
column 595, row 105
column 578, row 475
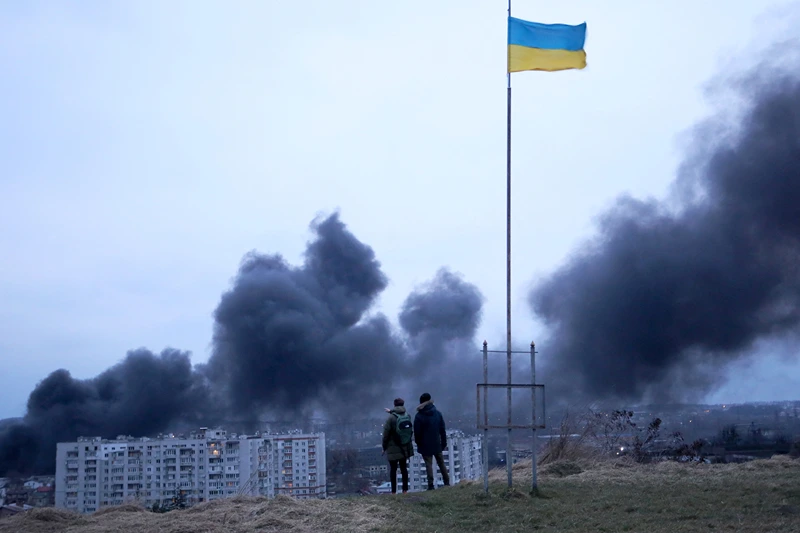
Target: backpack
column 403, row 429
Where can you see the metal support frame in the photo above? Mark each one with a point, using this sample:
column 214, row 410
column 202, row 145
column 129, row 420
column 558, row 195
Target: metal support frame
column 485, row 426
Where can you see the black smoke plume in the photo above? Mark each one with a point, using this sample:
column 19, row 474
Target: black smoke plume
column 287, row 341
column 662, row 299
column 440, row 320
column 291, row 336
column 139, row 396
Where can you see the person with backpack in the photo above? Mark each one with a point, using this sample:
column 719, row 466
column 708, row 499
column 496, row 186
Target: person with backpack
column 431, row 438
column 397, row 445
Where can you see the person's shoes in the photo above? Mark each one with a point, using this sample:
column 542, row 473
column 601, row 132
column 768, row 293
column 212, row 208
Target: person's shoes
column 431, row 487
column 447, row 484
column 405, row 492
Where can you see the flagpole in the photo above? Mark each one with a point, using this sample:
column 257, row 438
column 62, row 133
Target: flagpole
column 509, row 459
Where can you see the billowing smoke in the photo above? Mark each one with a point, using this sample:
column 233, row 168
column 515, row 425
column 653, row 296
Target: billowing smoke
column 290, row 337
column 141, row 395
column 662, row 299
column 287, row 340
column 440, row 320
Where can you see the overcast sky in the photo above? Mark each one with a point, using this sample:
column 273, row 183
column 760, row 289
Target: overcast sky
column 146, row 146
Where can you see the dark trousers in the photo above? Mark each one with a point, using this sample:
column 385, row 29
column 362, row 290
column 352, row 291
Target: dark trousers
column 403, row 472
column 429, row 469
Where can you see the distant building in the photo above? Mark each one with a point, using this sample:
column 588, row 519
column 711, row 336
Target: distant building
column 43, row 496
column 36, row 491
column 11, row 510
column 372, row 463
column 93, row 473
column 299, row 465
column 385, row 487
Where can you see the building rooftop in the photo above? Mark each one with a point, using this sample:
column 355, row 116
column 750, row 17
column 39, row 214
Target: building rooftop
column 202, row 434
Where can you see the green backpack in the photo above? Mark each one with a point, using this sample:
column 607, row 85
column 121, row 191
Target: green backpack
column 403, row 430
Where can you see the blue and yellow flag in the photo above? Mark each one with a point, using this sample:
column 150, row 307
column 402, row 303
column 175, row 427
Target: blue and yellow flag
column 550, row 47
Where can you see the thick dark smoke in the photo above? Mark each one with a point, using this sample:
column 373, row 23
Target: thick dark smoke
column 659, row 303
column 446, row 309
column 139, row 396
column 440, row 320
column 287, row 340
column 290, row 336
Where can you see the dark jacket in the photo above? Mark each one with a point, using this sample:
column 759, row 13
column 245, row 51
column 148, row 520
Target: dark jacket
column 429, row 431
column 394, row 451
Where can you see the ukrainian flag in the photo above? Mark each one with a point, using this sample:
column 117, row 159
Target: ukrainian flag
column 550, row 47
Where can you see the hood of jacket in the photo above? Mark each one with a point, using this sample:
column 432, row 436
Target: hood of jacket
column 399, row 409
column 426, row 408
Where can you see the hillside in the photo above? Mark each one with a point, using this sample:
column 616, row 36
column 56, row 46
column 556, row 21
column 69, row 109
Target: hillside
column 761, row 496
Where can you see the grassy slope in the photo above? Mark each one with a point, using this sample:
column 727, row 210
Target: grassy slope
column 756, row 497
column 762, row 496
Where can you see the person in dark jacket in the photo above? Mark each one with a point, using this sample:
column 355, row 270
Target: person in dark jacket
column 431, row 439
column 397, row 453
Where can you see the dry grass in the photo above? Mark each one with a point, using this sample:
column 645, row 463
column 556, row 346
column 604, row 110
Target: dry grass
column 126, row 508
column 234, row 515
column 575, row 496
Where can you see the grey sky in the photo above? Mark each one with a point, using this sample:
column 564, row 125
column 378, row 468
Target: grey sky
column 146, row 146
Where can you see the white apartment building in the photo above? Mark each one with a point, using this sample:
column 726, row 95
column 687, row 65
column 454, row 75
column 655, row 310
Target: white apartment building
column 93, row 473
column 291, row 464
column 462, row 457
column 298, row 465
